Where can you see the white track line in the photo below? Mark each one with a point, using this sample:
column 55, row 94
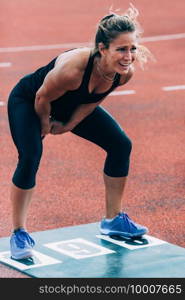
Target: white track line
column 5, row 64
column 127, row 92
column 174, row 88
column 75, row 45
column 163, row 37
column 43, row 47
column 2, row 103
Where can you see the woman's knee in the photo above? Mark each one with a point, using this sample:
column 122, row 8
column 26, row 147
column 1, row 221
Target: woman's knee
column 126, row 144
column 25, row 173
column 122, row 146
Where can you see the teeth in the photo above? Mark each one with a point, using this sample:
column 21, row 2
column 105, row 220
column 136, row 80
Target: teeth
column 124, row 65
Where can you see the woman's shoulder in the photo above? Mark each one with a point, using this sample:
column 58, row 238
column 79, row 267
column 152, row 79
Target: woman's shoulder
column 70, row 66
column 74, row 58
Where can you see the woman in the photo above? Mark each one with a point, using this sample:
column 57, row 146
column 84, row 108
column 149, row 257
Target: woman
column 64, row 96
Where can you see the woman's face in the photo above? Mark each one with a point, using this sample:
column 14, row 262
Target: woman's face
column 121, row 53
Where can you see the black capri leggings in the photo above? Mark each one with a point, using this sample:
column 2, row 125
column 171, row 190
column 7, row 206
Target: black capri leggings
column 99, row 127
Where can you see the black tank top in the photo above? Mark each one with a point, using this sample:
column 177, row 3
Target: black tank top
column 63, row 107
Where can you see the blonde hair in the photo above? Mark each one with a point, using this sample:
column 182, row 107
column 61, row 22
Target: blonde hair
column 113, row 24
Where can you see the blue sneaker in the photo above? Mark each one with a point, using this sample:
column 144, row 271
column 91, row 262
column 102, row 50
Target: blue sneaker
column 123, row 226
column 21, row 244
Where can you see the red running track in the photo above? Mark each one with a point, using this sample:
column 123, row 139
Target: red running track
column 70, row 187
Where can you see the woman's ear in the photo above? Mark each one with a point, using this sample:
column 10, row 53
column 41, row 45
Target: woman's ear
column 101, row 48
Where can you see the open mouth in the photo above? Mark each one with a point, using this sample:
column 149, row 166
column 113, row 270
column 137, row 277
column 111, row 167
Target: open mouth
column 124, row 65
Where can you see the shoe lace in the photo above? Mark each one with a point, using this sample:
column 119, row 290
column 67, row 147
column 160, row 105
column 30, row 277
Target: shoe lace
column 22, row 237
column 129, row 222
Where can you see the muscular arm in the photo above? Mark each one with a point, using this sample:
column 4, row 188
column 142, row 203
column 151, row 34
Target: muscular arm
column 56, row 83
column 66, row 76
column 81, row 113
column 43, row 108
